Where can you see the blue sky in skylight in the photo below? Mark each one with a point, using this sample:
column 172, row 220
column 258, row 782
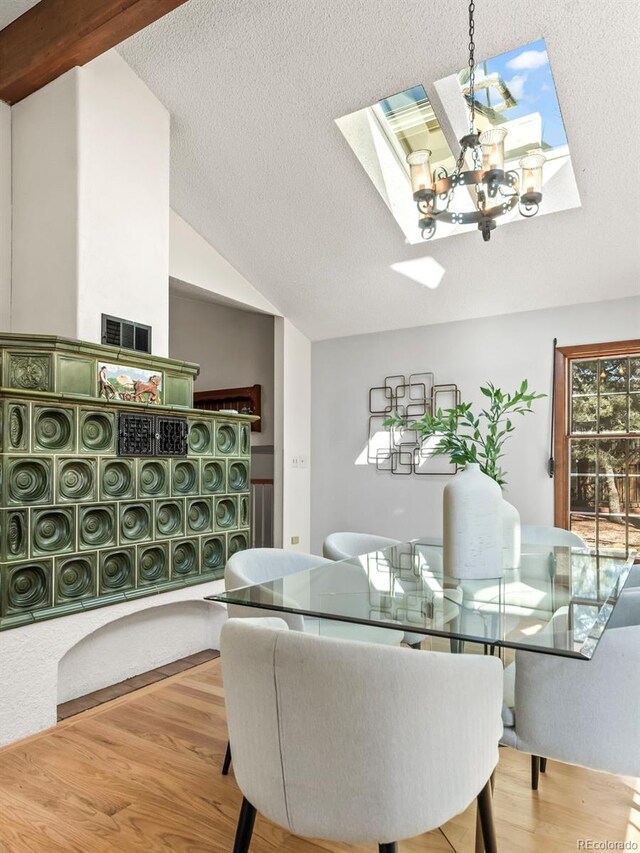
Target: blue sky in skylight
column 527, row 73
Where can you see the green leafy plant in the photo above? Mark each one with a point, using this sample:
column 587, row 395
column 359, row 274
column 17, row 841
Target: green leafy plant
column 468, row 438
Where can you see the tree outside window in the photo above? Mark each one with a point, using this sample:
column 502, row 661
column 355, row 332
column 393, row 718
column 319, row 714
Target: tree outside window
column 598, row 475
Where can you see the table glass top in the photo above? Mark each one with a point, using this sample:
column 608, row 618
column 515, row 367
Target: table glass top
column 557, row 601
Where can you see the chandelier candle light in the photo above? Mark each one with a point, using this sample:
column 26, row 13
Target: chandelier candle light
column 496, row 192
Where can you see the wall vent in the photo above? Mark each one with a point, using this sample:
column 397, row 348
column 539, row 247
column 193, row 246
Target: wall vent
column 117, row 332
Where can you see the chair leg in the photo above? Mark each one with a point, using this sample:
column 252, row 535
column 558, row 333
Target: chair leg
column 485, row 810
column 535, row 770
column 543, row 765
column 227, row 760
column 244, row 830
column 479, row 848
column 388, row 848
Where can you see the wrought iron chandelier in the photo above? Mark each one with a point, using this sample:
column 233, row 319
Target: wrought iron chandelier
column 496, row 192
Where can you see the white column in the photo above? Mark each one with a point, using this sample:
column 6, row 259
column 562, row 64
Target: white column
column 292, row 444
column 5, row 217
column 91, row 204
column 45, row 209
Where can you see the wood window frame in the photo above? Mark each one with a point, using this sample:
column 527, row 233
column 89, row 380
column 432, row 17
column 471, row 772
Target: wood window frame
column 563, row 358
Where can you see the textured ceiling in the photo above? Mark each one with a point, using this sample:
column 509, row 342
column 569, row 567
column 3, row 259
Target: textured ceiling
column 260, row 169
column 12, row 9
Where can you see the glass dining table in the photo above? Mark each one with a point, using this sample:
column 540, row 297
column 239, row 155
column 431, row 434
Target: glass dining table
column 405, row 588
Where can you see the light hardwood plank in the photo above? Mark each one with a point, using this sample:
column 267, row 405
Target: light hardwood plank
column 141, row 774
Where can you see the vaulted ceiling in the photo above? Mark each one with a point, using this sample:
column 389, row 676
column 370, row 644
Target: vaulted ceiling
column 260, row 169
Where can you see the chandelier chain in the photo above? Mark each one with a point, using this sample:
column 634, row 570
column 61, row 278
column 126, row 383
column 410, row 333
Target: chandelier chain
column 472, row 84
column 472, row 69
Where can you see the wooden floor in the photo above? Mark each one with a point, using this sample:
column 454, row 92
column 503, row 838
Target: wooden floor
column 142, row 773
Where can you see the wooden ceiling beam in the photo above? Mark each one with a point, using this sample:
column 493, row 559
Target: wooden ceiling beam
column 56, row 35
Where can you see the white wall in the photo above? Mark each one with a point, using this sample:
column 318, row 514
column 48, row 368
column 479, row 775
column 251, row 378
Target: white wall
column 137, row 643
column 233, row 348
column 91, row 204
column 107, row 645
column 504, row 350
column 5, row 217
column 124, row 201
column 293, row 437
column 196, row 262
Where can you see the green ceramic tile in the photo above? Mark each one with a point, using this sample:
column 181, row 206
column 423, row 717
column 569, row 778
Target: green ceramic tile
column 28, row 371
column 238, row 476
column 75, row 578
column 237, row 542
column 227, row 443
column 153, row 564
column 226, row 513
column 136, row 522
column 106, row 599
column 66, row 609
column 200, row 437
column 169, row 518
column 245, row 440
column 16, row 621
column 133, row 594
column 213, row 476
column 97, row 431
column 15, row 427
column 178, row 390
column 27, row 480
column 214, row 553
column 76, row 479
column 116, row 572
column 26, row 587
column 199, row 515
column 154, row 478
column 185, row 558
column 53, row 429
column 117, row 479
column 185, row 477
column 14, row 533
column 76, row 375
column 97, row 526
column 53, row 531
column 244, row 511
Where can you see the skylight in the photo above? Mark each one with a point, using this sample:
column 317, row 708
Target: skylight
column 514, row 90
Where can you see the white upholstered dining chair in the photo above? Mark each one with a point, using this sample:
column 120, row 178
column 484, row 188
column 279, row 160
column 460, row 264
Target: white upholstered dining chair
column 346, row 545
column 321, row 729
column 580, row 711
column 541, row 534
column 261, row 565
column 342, row 545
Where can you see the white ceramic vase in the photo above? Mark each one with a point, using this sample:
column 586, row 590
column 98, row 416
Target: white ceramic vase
column 473, row 525
column 510, row 536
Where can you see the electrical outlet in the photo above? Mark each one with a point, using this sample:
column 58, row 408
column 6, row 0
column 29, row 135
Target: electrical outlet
column 303, row 462
column 295, row 462
column 295, row 540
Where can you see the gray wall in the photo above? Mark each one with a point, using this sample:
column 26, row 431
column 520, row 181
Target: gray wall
column 233, row 348
column 504, row 350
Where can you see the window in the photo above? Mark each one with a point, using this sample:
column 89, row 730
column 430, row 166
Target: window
column 514, row 90
column 124, row 333
column 597, row 445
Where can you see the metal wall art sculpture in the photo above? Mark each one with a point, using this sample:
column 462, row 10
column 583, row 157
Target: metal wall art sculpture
column 400, row 449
